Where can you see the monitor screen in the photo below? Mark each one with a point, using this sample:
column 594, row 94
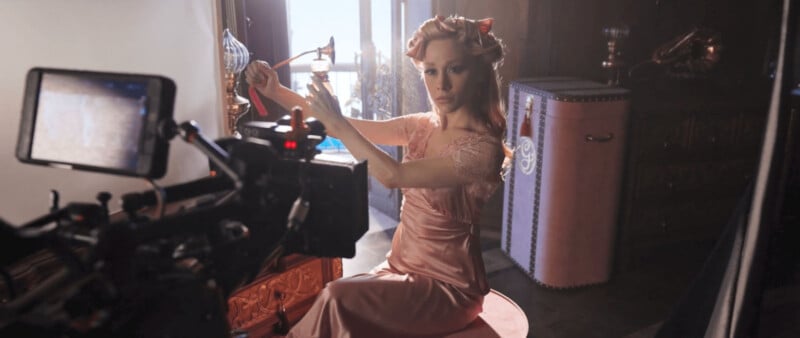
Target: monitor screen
column 96, row 121
column 74, row 115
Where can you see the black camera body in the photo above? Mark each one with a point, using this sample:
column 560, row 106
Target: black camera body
column 285, row 140
column 149, row 272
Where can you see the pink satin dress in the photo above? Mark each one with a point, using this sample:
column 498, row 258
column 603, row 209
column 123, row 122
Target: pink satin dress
column 433, row 280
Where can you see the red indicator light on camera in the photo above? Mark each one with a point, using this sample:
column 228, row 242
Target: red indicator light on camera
column 289, row 144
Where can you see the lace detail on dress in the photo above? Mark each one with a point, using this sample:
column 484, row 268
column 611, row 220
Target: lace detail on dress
column 477, row 157
column 422, row 125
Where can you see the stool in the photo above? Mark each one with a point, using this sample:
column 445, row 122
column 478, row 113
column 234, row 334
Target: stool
column 501, row 317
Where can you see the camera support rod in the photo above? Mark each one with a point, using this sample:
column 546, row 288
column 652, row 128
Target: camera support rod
column 191, row 134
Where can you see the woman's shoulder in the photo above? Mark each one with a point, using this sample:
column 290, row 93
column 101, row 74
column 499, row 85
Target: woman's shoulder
column 421, row 117
column 418, row 123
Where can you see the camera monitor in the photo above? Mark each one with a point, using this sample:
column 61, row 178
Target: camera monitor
column 95, row 121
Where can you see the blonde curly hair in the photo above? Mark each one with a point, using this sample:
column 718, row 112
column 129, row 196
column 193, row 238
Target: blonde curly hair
column 479, row 42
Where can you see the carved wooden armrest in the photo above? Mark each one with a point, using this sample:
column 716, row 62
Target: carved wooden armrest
column 289, row 290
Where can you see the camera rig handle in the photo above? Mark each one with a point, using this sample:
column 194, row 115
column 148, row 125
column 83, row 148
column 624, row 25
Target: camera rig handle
column 191, row 134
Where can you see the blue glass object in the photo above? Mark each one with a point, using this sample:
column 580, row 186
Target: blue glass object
column 236, row 54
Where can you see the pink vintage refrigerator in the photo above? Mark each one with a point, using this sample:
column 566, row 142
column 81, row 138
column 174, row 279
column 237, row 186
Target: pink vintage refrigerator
column 562, row 192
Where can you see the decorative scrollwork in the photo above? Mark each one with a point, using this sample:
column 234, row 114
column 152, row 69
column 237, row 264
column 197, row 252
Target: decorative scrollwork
column 257, row 303
column 526, row 155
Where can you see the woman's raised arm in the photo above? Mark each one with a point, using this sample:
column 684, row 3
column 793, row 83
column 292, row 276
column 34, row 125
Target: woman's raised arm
column 265, row 80
column 435, row 172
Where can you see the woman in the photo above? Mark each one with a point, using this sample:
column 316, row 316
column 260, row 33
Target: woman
column 433, row 280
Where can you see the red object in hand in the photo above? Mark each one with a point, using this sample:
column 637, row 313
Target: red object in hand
column 262, row 111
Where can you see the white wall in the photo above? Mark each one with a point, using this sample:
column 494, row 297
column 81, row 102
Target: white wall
column 177, row 38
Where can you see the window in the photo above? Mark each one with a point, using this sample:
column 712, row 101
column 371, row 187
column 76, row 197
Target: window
column 371, row 76
column 363, row 51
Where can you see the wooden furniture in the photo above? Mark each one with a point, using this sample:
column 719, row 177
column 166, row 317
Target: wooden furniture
column 293, row 286
column 693, row 147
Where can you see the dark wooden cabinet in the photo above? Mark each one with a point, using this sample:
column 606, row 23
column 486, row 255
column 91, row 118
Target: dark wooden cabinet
column 692, row 150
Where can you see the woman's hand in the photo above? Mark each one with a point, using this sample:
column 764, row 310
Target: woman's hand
column 324, row 105
column 262, row 77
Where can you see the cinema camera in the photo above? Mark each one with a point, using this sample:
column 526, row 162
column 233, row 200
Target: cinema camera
column 152, row 273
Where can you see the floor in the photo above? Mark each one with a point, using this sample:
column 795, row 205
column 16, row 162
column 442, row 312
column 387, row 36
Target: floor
column 630, row 305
